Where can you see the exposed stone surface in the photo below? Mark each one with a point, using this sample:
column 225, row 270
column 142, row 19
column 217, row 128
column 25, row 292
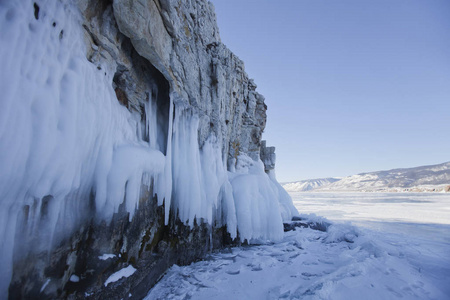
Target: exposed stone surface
column 299, row 222
column 145, row 242
column 166, row 47
column 181, row 39
column 268, row 156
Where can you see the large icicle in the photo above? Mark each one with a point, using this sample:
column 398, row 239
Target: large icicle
column 188, row 191
column 257, row 201
column 165, row 181
column 151, row 128
column 200, row 182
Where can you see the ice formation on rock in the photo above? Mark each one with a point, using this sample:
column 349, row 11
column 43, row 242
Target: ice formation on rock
column 69, row 151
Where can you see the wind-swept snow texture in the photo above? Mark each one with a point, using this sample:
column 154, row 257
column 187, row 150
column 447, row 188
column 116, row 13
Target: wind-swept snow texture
column 342, row 263
column 70, row 151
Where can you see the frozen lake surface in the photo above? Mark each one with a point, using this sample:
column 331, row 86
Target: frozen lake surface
column 397, row 246
column 424, row 215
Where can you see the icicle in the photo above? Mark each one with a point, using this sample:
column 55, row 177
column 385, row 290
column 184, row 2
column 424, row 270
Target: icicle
column 210, row 241
column 9, row 218
column 151, row 128
column 168, row 166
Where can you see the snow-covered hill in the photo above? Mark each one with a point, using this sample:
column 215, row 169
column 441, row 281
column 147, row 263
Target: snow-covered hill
column 435, row 178
column 308, row 185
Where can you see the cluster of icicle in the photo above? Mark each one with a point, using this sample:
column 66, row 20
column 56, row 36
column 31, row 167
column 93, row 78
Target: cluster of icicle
column 64, row 137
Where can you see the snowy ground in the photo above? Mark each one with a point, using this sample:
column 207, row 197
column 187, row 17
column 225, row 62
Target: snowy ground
column 387, row 256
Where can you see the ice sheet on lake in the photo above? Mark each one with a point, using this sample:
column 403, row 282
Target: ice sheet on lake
column 394, row 254
column 368, row 209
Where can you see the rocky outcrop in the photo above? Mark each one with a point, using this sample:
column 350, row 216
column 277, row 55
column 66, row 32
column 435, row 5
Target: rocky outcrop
column 181, row 40
column 268, row 157
column 151, row 186
column 145, row 243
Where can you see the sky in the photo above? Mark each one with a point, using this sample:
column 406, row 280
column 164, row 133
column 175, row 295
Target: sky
column 351, row 86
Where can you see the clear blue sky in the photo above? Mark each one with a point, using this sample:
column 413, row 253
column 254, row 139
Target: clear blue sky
column 351, row 85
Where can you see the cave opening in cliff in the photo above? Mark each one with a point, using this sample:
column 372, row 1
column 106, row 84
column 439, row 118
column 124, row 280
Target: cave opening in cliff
column 144, row 91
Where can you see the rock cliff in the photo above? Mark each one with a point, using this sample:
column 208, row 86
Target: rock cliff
column 129, row 130
column 181, row 40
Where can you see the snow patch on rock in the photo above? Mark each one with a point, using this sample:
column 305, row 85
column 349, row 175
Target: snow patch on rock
column 125, row 272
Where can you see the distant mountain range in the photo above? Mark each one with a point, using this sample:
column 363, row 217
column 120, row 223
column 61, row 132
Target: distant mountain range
column 308, row 185
column 435, row 178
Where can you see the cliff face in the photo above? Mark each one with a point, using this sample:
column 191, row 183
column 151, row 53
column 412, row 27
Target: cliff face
column 181, row 40
column 128, row 129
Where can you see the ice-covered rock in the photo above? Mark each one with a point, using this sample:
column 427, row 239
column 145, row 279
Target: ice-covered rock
column 127, row 128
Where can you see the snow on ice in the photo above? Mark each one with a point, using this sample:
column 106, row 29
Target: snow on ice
column 343, row 262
